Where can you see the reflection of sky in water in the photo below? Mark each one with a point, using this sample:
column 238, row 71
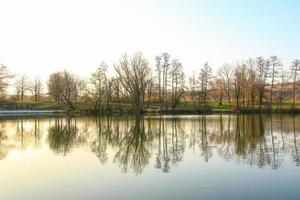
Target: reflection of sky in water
column 85, row 158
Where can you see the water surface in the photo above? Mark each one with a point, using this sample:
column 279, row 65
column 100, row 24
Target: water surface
column 151, row 157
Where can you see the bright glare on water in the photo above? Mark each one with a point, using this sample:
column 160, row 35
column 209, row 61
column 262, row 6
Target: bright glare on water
column 151, row 157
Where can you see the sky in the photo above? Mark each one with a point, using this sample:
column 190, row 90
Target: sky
column 38, row 37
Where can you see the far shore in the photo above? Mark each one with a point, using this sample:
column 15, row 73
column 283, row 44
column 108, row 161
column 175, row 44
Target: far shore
column 51, row 108
column 16, row 113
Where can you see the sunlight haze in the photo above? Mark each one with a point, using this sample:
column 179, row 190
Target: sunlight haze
column 40, row 37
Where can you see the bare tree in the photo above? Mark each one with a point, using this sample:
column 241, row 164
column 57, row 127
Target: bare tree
column 150, row 89
column 5, row 75
column 69, row 85
column 275, row 63
column 99, row 89
column 117, row 92
column 282, row 94
column 263, row 70
column 217, row 90
column 36, row 88
column 165, row 68
column 295, row 68
column 204, row 78
column 225, row 73
column 237, row 83
column 62, row 87
column 78, row 87
column 108, row 89
column 22, row 86
column 159, row 86
column 133, row 75
column 244, row 86
column 54, row 84
column 177, row 82
column 252, row 84
column 193, row 87
column 94, row 90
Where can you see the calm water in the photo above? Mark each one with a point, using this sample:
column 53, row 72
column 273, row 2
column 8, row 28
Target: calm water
column 182, row 157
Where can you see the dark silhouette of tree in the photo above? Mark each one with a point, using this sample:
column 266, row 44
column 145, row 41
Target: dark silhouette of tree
column 134, row 76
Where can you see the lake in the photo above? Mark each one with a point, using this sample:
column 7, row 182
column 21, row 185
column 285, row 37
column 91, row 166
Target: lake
column 151, row 157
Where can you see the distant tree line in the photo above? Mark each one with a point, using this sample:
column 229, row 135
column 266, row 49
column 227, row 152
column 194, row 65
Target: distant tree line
column 254, row 84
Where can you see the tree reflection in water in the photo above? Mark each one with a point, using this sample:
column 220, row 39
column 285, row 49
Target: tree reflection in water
column 131, row 142
column 296, row 151
column 19, row 134
column 133, row 149
column 62, row 136
column 170, row 142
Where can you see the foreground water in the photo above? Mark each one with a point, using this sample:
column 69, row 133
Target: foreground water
column 151, row 157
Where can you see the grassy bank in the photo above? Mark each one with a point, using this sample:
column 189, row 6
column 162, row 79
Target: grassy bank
column 153, row 107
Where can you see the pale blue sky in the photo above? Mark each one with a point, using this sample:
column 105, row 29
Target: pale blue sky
column 39, row 37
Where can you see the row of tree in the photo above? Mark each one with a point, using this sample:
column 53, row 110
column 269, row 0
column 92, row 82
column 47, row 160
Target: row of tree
column 22, row 85
column 253, row 84
column 256, row 82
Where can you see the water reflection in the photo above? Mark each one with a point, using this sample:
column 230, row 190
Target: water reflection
column 136, row 142
column 19, row 134
column 62, row 135
column 134, row 146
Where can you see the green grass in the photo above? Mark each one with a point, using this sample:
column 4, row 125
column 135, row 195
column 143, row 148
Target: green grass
column 225, row 105
column 193, row 105
column 51, row 105
column 43, row 105
column 210, row 105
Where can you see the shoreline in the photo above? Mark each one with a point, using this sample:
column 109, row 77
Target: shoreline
column 16, row 113
column 9, row 113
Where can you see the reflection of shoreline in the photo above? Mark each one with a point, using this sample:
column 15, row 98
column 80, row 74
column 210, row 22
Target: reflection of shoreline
column 255, row 140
